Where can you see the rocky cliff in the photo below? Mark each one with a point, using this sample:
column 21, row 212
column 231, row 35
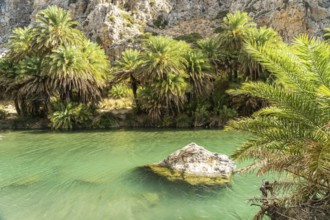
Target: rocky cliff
column 113, row 23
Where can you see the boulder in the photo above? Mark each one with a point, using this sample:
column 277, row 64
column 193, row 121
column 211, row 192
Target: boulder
column 195, row 165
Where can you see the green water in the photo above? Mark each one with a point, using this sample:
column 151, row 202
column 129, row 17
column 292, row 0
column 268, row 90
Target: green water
column 92, row 175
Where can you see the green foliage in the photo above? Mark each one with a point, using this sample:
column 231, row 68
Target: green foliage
column 125, row 68
column 258, row 38
column 52, row 58
column 211, row 49
column 105, row 120
column 226, row 114
column 7, row 75
column 199, row 78
column 189, row 38
column 54, row 28
column 201, row 117
column 235, row 28
column 3, row 114
column 119, row 91
column 183, row 121
column 292, row 134
column 163, row 55
column 163, row 73
column 327, row 34
column 20, row 44
column 69, row 116
column 167, row 121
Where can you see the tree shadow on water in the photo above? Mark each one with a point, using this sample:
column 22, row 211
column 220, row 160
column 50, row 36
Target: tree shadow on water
column 145, row 178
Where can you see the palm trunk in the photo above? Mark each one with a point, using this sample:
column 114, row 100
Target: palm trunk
column 134, row 86
column 18, row 110
column 24, row 107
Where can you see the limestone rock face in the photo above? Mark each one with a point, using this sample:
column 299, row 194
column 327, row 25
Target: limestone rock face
column 113, row 23
column 195, row 165
column 288, row 17
column 13, row 13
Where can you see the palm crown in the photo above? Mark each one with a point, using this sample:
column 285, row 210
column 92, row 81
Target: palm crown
column 292, row 134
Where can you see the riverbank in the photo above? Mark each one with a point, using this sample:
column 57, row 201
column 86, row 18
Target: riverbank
column 112, row 116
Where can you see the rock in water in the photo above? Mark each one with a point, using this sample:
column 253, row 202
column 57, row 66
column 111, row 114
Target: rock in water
column 195, row 165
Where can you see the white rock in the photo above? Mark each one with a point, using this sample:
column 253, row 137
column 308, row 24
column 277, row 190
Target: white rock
column 196, row 165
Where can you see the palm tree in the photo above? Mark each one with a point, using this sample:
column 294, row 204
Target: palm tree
column 72, row 75
column 258, row 38
column 125, row 68
column 19, row 44
column 30, row 87
column 170, row 92
column 52, row 58
column 7, row 77
column 292, row 135
column 164, row 97
column 211, row 48
column 54, row 28
column 162, row 55
column 96, row 59
column 235, row 28
column 162, row 69
column 197, row 67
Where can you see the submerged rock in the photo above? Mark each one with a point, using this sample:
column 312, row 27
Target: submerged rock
column 195, row 165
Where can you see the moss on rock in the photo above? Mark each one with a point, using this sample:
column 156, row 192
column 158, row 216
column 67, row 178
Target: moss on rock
column 173, row 175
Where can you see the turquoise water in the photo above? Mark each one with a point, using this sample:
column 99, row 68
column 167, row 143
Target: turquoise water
column 92, row 175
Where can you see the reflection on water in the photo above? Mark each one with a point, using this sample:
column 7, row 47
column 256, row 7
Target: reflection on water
column 93, row 175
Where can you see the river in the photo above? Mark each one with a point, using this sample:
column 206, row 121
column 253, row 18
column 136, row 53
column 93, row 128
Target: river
column 93, row 176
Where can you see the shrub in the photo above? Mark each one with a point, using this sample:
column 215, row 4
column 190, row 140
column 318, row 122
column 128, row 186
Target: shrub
column 226, row 114
column 167, row 121
column 183, row 121
column 201, row 117
column 105, row 120
column 119, row 91
column 70, row 116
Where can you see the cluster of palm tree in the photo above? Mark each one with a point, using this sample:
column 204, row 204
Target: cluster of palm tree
column 291, row 135
column 163, row 75
column 52, row 61
column 168, row 77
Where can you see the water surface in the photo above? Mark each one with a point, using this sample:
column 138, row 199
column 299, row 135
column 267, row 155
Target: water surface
column 92, row 175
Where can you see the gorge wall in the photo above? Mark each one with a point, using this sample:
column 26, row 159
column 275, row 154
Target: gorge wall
column 113, row 23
